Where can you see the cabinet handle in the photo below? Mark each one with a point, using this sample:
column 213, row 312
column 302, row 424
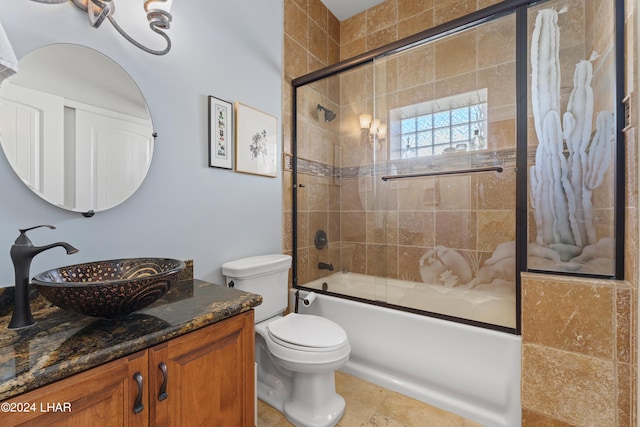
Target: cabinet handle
column 138, row 406
column 162, row 394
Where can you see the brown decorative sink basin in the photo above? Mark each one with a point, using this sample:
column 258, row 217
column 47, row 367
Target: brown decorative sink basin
column 109, row 289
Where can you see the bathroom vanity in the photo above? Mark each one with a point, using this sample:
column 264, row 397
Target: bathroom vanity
column 188, row 359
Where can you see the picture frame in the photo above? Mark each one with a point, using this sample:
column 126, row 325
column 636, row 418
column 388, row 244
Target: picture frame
column 221, row 133
column 256, row 141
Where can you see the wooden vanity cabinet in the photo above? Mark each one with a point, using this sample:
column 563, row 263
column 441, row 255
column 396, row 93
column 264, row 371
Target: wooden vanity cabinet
column 211, row 377
column 205, row 377
column 101, row 396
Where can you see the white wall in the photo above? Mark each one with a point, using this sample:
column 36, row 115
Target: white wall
column 184, row 209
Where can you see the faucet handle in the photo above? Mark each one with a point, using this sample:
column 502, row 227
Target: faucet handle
column 23, row 239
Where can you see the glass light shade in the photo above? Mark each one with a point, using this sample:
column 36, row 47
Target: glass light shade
column 382, row 130
column 164, row 5
column 365, row 121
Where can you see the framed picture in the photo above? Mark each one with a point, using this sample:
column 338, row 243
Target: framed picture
column 256, row 141
column 220, row 133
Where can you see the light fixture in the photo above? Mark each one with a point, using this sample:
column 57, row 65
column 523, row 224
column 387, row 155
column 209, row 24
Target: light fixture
column 372, row 131
column 158, row 15
column 8, row 60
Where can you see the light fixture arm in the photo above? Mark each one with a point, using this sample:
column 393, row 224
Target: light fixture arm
column 156, row 24
column 105, row 9
column 98, row 10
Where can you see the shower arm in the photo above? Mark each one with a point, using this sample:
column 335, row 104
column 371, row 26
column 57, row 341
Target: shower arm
column 451, row 172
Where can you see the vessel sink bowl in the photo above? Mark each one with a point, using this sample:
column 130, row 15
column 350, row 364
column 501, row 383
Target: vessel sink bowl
column 109, row 289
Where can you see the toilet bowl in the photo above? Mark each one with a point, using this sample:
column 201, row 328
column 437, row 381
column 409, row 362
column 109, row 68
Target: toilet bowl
column 305, row 392
column 297, row 354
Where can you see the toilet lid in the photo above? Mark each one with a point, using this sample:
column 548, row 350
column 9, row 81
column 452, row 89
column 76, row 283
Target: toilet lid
column 307, row 330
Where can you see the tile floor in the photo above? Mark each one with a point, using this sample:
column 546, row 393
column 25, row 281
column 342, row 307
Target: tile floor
column 369, row 405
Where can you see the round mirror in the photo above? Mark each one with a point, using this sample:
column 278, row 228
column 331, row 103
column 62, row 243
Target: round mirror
column 75, row 128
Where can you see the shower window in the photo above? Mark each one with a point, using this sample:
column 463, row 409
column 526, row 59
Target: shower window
column 456, row 123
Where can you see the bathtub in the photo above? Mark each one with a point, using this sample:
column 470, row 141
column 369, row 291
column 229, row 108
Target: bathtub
column 470, row 371
column 495, row 306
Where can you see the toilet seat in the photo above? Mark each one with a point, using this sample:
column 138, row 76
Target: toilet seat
column 307, row 332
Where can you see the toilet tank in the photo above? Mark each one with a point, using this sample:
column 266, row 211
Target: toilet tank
column 266, row 275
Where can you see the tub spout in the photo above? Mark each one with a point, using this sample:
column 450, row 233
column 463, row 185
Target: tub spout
column 22, row 252
column 325, row 266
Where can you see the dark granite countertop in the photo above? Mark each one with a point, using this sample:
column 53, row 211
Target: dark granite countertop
column 63, row 343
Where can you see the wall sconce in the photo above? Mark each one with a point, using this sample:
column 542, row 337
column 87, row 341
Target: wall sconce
column 372, row 131
column 158, row 15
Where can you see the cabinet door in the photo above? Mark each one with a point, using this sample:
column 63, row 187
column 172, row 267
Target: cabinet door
column 103, row 396
column 209, row 376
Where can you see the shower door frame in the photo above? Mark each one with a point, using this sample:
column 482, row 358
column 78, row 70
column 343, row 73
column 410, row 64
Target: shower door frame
column 520, row 9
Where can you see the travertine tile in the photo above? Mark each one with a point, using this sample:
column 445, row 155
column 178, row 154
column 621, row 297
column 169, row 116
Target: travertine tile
column 383, row 421
column 568, row 386
column 446, row 86
column 269, row 417
column 456, row 229
column 415, row 24
column 377, row 227
column 415, row 67
column 408, row 262
column 500, row 32
column 410, row 8
column 455, row 193
column 624, row 395
column 382, row 37
column 295, row 62
column 318, row 12
column 370, row 405
column 501, row 133
column 303, row 230
column 356, row 85
column 333, row 29
column 353, row 28
column 569, row 314
column 377, row 260
column 416, row 228
column 318, row 42
column 532, row 419
column 624, row 324
column 446, row 11
column 496, row 190
column 382, row 15
column 354, row 226
column 363, row 398
column 353, row 48
column 296, row 24
column 501, row 87
column 410, row 412
column 495, row 227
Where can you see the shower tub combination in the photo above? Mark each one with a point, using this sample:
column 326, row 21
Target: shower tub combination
column 470, row 371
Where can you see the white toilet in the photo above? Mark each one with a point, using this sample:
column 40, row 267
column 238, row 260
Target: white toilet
column 297, row 354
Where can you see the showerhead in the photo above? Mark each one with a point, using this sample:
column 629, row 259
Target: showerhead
column 328, row 114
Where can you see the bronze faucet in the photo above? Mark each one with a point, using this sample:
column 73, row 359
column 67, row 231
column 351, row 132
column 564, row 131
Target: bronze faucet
column 22, row 252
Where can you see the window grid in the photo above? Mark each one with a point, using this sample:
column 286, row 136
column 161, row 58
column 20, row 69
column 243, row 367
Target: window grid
column 431, row 134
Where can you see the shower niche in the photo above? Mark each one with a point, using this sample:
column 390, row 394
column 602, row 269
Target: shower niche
column 443, row 165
